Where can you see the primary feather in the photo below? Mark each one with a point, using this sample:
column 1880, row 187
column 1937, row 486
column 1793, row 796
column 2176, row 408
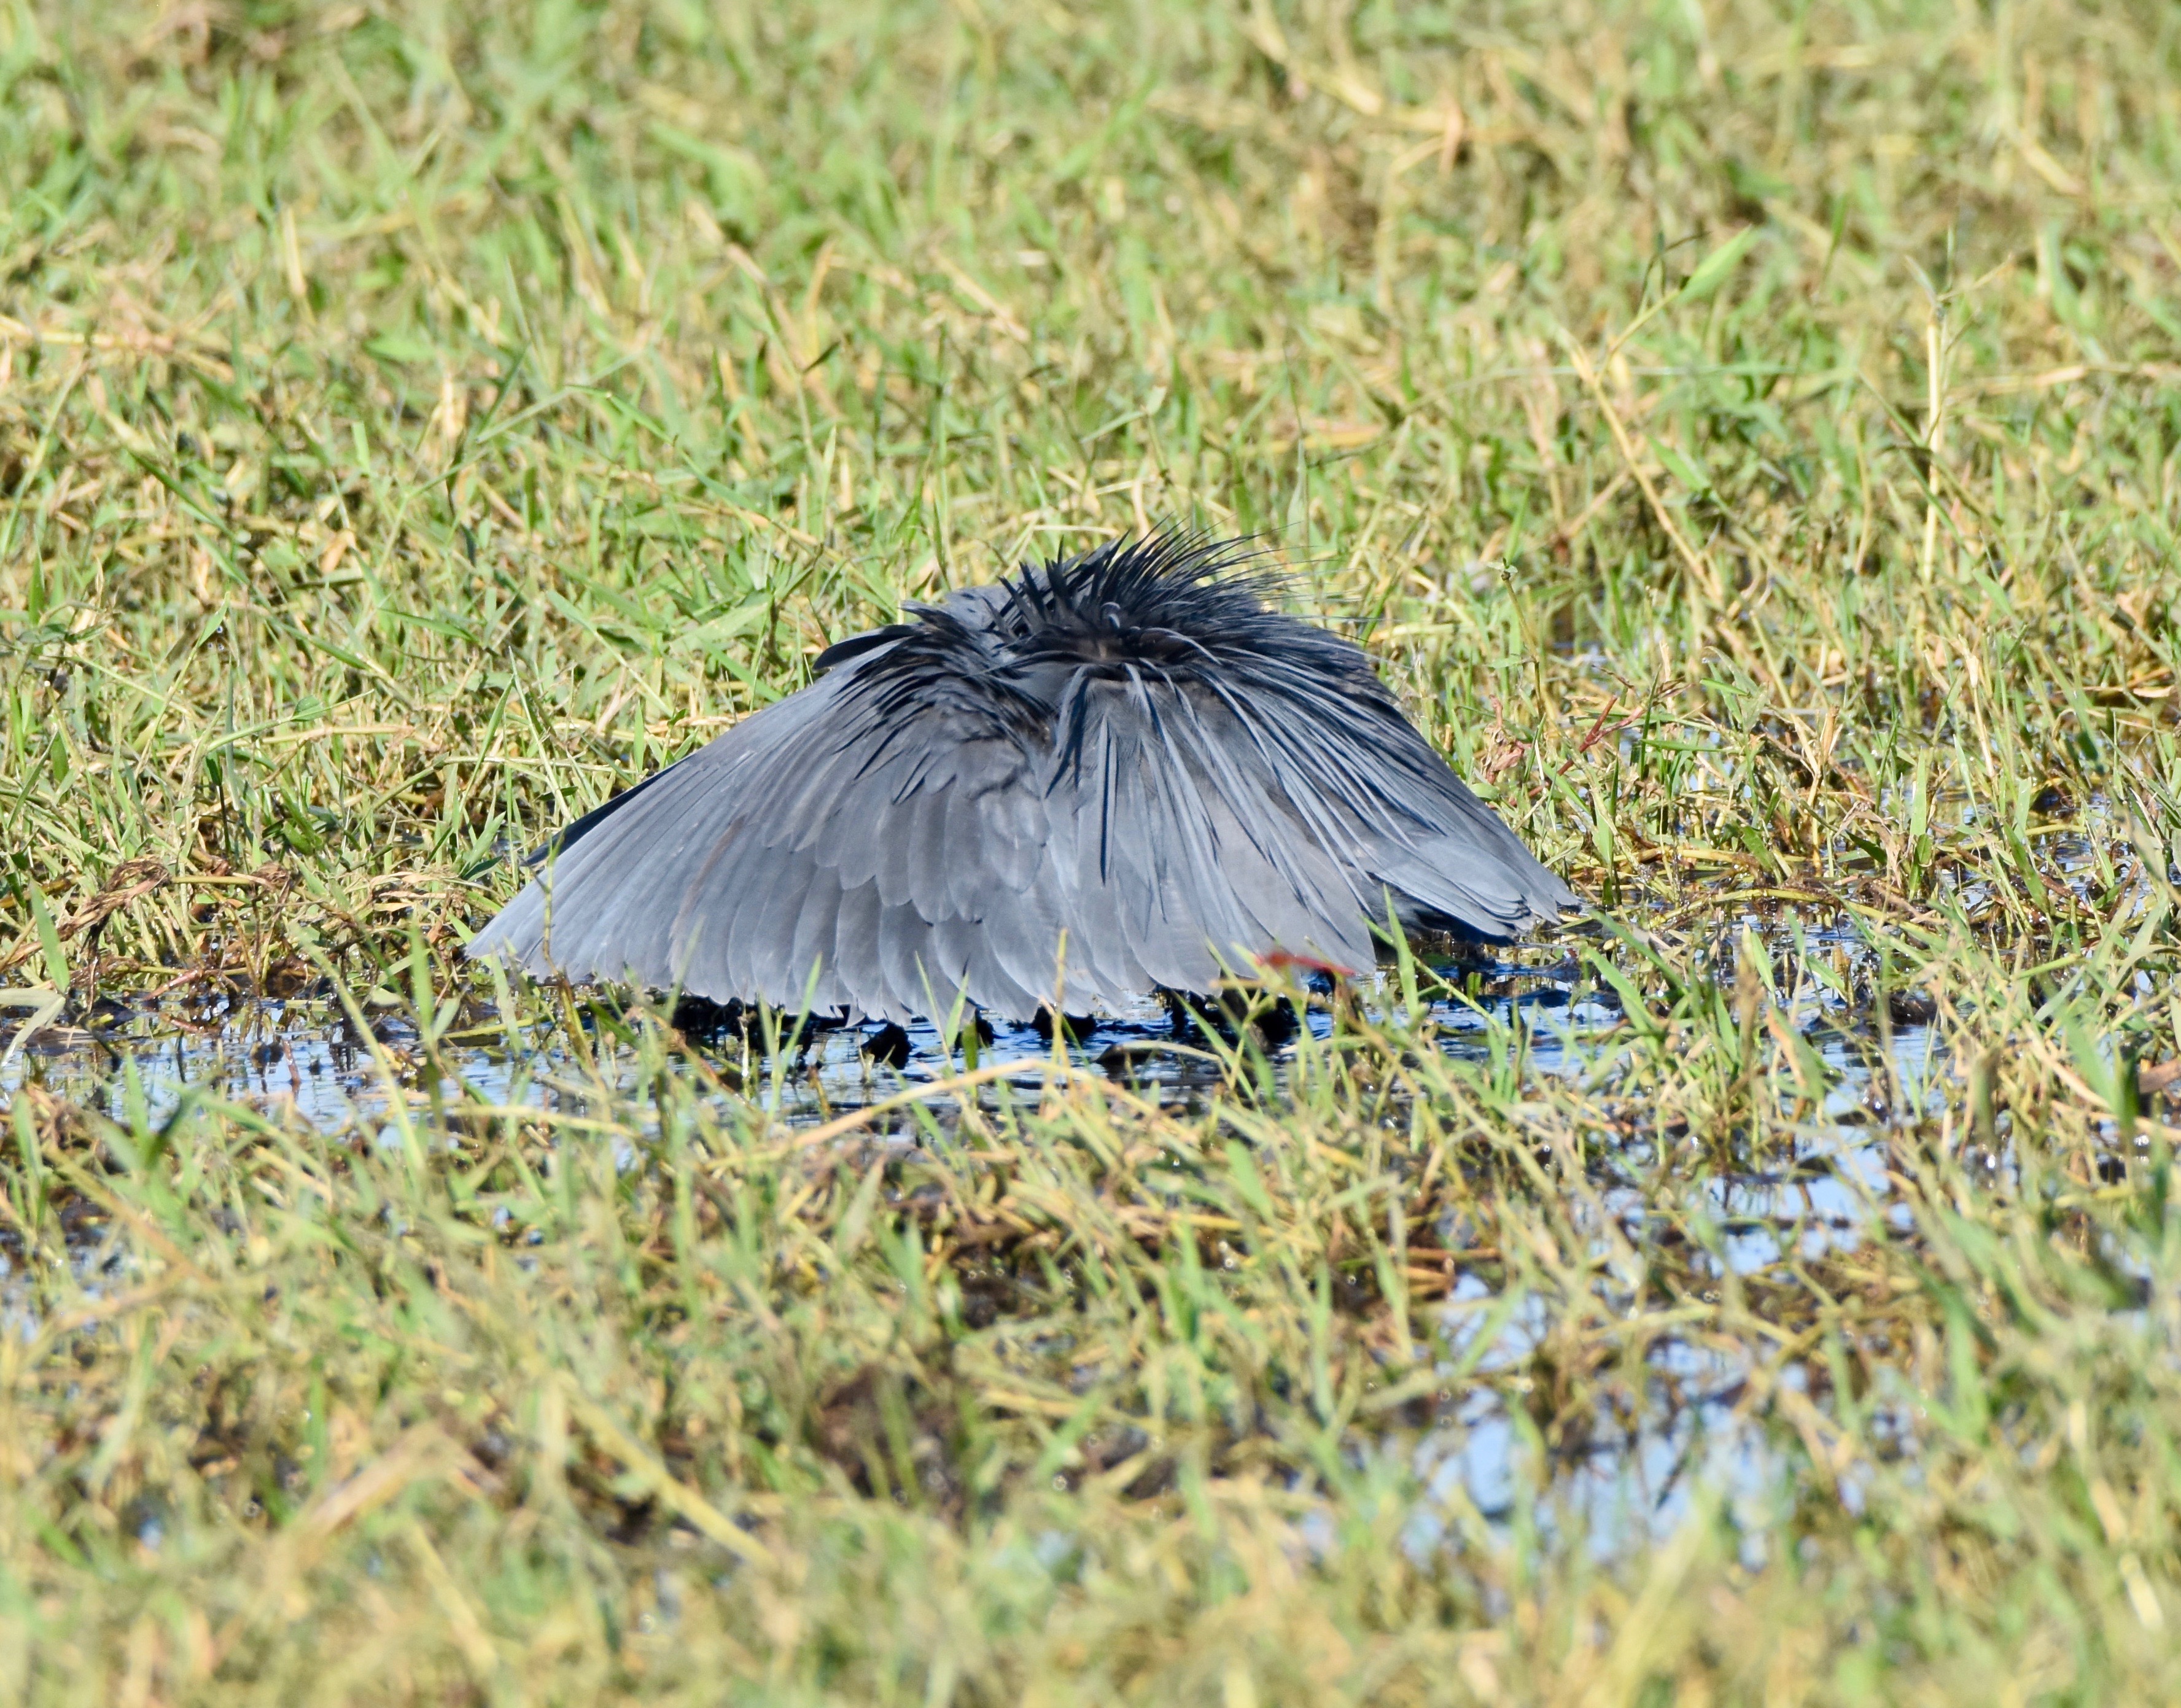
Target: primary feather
column 1113, row 772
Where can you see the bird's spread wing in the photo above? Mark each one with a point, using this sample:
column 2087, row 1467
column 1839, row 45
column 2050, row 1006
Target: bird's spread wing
column 884, row 859
column 1182, row 861
column 1370, row 789
column 846, row 848
column 1057, row 793
column 1205, row 830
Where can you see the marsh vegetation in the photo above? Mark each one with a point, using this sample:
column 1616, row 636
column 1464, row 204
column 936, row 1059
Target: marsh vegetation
column 1746, row 435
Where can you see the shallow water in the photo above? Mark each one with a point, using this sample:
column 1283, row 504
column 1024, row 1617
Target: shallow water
column 310, row 1056
column 1631, row 1481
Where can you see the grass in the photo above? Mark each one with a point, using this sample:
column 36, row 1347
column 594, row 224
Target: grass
column 1747, row 435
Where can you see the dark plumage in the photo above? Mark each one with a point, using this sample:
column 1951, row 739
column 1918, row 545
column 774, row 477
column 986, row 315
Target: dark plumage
column 1117, row 772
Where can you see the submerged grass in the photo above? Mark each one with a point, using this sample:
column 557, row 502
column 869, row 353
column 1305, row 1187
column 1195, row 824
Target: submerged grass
column 1746, row 433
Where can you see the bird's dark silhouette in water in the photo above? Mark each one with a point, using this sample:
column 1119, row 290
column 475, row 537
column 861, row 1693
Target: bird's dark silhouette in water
column 1117, row 772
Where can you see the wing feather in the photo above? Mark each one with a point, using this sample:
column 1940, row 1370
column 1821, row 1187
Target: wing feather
column 856, row 951
column 813, row 960
column 912, row 979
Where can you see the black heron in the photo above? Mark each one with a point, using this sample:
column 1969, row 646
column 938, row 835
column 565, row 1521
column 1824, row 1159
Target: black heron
column 1115, row 773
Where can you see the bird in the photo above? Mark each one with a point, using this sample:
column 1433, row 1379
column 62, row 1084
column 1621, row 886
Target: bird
column 1114, row 774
